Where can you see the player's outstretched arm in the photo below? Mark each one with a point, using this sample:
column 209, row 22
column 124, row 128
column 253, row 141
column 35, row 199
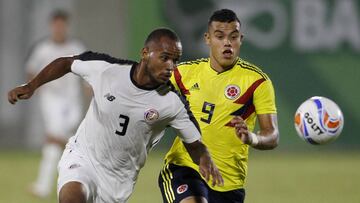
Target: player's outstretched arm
column 201, row 156
column 52, row 71
column 266, row 138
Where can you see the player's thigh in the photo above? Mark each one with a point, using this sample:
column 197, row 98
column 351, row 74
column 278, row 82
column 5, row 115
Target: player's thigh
column 182, row 184
column 76, row 176
column 233, row 196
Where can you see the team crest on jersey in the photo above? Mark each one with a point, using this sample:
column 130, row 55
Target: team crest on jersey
column 232, row 92
column 182, row 188
column 151, row 115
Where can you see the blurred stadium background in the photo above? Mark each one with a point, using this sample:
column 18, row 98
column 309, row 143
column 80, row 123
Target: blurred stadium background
column 307, row 47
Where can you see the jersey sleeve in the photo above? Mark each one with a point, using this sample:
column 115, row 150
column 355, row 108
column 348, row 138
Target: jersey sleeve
column 264, row 98
column 90, row 70
column 185, row 125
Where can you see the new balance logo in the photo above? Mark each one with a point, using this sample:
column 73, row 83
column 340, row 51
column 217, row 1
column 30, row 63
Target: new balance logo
column 195, row 87
column 109, row 97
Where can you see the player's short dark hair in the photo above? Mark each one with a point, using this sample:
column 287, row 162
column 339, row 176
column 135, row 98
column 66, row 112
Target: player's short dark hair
column 60, row 14
column 156, row 35
column 224, row 16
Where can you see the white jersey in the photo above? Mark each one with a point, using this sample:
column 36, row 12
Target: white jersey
column 60, row 100
column 125, row 121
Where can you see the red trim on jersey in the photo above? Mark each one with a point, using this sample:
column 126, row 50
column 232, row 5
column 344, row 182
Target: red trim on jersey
column 246, row 99
column 179, row 83
column 249, row 92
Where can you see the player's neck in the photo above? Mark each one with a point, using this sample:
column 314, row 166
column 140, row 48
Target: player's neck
column 143, row 79
column 218, row 68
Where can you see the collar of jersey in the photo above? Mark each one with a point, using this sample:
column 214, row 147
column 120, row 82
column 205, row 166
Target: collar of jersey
column 214, row 72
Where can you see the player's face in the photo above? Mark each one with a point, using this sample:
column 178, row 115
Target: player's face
column 59, row 29
column 224, row 40
column 161, row 58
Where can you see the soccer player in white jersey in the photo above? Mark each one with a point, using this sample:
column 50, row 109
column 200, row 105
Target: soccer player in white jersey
column 133, row 103
column 60, row 101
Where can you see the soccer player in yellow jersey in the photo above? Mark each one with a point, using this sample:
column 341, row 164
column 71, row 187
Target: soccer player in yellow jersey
column 226, row 95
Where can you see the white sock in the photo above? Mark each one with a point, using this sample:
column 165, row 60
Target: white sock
column 50, row 157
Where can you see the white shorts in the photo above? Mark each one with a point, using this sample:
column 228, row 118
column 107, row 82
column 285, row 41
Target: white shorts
column 75, row 167
column 61, row 117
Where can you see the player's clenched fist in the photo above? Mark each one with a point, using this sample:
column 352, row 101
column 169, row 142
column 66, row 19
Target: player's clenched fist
column 21, row 92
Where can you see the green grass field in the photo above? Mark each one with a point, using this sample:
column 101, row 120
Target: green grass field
column 274, row 177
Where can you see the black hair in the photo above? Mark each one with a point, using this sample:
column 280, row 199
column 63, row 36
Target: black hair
column 60, row 14
column 224, row 16
column 156, row 34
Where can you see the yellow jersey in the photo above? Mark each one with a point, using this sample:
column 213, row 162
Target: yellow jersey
column 214, row 99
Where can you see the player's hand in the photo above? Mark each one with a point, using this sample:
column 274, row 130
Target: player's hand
column 208, row 169
column 241, row 129
column 21, row 92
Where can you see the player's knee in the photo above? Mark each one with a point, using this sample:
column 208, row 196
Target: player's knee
column 72, row 192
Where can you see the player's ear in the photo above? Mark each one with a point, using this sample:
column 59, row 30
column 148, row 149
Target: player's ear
column 144, row 53
column 207, row 38
column 241, row 38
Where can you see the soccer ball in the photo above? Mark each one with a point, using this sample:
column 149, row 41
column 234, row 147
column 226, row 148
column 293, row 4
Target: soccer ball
column 319, row 120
